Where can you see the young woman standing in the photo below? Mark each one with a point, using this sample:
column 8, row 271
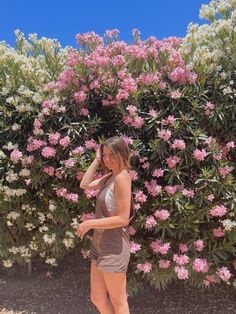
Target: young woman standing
column 110, row 251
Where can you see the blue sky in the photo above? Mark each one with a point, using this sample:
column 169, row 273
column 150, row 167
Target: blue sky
column 64, row 19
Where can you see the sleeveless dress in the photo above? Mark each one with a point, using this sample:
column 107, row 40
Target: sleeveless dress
column 110, row 247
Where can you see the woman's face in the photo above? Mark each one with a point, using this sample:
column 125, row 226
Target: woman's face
column 109, row 159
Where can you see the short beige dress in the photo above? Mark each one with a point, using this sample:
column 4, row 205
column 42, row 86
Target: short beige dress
column 110, row 247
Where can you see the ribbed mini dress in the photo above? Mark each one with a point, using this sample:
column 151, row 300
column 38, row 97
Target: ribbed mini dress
column 110, row 247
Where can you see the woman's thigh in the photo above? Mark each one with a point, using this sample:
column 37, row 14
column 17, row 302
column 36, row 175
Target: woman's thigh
column 116, row 286
column 97, row 283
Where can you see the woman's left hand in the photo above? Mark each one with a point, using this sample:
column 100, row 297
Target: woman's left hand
column 83, row 228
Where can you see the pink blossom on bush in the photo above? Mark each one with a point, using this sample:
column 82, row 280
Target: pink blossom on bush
column 175, row 94
column 199, row 154
column 158, row 173
column 65, row 141
column 72, row 197
column 164, row 135
column 224, row 171
column 84, row 112
column 54, row 138
column 79, row 175
column 78, row 150
column 210, row 197
column 183, row 248
column 131, row 230
column 199, row 245
column 218, row 211
column 159, row 247
column 111, row 33
column 188, row 193
column 209, row 279
column 133, row 175
column 181, row 259
column 200, row 265
column 132, row 109
column 80, row 96
column 69, row 162
column 162, row 214
column 163, row 264
column 170, row 189
column 134, row 247
column 88, row 216
column 150, row 222
column 145, row 267
column 172, row 161
column 49, row 170
column 91, row 193
column 34, row 144
column 224, row 273
column 140, row 197
column 91, row 144
column 218, row 232
column 37, row 124
column 15, row 155
column 153, row 113
column 230, row 145
column 178, row 144
column 48, row 152
column 153, row 188
column 181, row 272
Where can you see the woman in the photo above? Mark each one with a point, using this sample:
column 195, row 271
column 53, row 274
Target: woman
column 110, row 251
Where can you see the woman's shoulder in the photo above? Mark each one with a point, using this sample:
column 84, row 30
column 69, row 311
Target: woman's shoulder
column 123, row 176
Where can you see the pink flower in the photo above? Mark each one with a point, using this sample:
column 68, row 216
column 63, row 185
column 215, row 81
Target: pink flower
column 210, row 197
column 224, row 171
column 88, row 216
column 84, row 112
column 178, row 144
column 218, row 233
column 137, row 122
column 65, row 141
column 224, row 273
column 133, row 175
column 54, row 138
column 159, row 247
column 199, row 245
column 158, row 173
column 181, row 259
column 90, row 144
column 78, row 150
column 199, row 154
column 140, row 197
column 175, row 94
column 209, row 279
column 132, row 109
column 91, row 193
column 15, row 155
column 72, row 197
column 153, row 113
column 153, row 188
column 172, row 161
column 150, row 222
column 134, row 247
column 131, row 230
column 80, row 96
column 111, row 33
column 188, row 193
column 37, row 124
column 162, row 214
column 183, row 248
column 79, row 175
column 48, row 152
column 69, row 162
column 49, row 170
column 218, row 211
column 145, row 267
column 181, row 272
column 200, row 265
column 164, row 135
column 164, row 263
column 170, row 189
column 230, row 145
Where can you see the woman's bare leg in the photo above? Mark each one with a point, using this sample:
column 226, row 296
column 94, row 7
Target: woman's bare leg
column 116, row 286
column 99, row 294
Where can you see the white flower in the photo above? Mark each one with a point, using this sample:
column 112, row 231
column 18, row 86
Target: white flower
column 13, row 215
column 7, row 263
column 69, row 243
column 51, row 261
column 15, row 127
column 49, row 238
column 29, row 226
column 24, row 172
column 228, row 224
column 52, row 206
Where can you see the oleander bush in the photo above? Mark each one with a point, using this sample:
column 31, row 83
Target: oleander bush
column 172, row 101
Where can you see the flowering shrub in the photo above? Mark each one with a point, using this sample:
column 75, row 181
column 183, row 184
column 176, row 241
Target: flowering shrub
column 178, row 126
